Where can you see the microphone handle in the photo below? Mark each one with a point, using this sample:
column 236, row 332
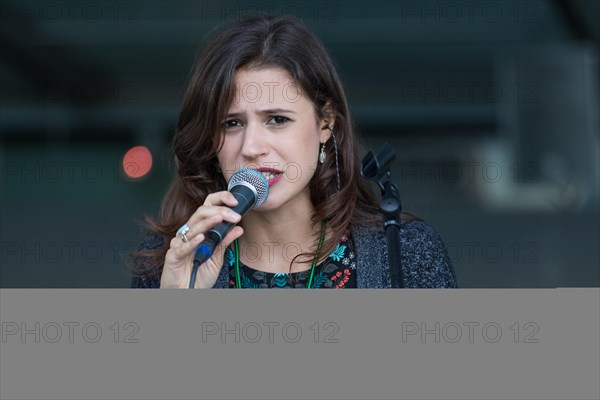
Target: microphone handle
column 246, row 200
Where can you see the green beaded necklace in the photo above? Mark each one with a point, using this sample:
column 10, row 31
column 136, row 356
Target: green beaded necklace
column 238, row 282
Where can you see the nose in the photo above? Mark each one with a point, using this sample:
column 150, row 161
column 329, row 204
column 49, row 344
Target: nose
column 254, row 144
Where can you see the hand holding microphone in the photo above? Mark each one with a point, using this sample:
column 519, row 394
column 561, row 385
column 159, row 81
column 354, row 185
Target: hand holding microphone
column 197, row 262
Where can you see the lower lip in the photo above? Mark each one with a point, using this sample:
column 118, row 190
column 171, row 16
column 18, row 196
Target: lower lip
column 274, row 180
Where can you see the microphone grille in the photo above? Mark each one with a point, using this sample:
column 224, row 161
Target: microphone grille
column 253, row 178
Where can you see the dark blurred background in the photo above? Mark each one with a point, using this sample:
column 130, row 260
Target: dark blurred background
column 492, row 107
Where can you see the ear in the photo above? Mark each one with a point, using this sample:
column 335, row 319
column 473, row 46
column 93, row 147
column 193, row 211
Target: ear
column 327, row 123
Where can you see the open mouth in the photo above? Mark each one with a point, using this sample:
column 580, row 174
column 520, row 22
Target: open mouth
column 271, row 175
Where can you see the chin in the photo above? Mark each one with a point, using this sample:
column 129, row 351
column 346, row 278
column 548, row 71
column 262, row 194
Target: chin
column 274, row 201
column 270, row 204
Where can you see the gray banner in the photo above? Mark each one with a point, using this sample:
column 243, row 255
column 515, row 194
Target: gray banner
column 284, row 344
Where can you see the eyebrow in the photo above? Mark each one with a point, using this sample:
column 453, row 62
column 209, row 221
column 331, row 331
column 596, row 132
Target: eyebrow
column 264, row 112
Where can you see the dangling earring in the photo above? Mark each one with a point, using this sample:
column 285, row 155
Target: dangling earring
column 322, row 155
column 337, row 165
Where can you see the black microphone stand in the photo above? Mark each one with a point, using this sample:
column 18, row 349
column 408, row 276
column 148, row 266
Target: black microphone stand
column 377, row 169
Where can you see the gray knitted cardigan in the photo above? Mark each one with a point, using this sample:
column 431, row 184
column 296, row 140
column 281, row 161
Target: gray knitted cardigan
column 425, row 261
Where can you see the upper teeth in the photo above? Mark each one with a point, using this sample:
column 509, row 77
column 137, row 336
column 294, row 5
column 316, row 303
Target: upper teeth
column 268, row 175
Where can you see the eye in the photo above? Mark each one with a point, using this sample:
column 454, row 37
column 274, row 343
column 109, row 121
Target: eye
column 278, row 120
column 232, row 123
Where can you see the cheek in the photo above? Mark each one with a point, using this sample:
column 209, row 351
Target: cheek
column 306, row 144
column 225, row 162
column 312, row 147
column 307, row 161
column 300, row 154
column 228, row 150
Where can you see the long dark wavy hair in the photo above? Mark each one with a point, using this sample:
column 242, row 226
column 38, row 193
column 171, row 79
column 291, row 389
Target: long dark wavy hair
column 262, row 42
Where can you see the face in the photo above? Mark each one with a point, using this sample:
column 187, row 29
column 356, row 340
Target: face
column 271, row 127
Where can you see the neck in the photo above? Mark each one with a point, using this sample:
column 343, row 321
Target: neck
column 273, row 238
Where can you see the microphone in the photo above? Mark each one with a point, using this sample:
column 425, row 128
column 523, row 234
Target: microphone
column 251, row 189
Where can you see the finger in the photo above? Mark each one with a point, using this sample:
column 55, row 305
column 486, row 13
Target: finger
column 207, row 218
column 235, row 233
column 177, row 241
column 183, row 249
column 208, row 223
column 220, row 198
column 200, row 220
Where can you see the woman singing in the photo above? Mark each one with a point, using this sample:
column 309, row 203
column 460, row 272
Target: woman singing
column 265, row 95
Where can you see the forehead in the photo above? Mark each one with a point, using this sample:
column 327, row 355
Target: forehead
column 266, row 88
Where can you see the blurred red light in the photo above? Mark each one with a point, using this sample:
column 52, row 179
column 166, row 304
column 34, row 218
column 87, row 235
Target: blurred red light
column 137, row 162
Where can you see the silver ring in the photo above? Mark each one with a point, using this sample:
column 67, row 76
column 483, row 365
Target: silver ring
column 185, row 228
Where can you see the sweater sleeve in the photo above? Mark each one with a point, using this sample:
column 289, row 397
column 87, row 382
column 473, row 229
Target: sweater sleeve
column 425, row 260
column 143, row 281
